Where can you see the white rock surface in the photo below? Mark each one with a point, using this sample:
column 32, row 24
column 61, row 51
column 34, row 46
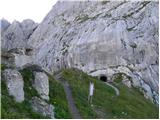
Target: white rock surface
column 14, row 82
column 21, row 60
column 115, row 36
column 42, row 107
column 17, row 34
column 127, row 83
column 17, row 57
column 41, row 84
column 4, row 24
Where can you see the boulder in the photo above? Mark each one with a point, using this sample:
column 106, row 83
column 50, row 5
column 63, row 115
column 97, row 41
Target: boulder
column 14, row 82
column 17, row 57
column 42, row 107
column 21, row 60
column 41, row 84
column 127, row 83
column 7, row 58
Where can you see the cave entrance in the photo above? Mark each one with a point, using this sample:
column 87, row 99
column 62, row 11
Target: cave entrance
column 103, row 78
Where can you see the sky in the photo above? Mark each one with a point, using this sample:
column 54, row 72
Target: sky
column 25, row 9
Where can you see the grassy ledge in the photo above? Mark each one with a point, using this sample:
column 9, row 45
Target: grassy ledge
column 129, row 104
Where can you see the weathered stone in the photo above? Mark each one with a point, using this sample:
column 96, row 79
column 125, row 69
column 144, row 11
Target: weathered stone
column 41, row 84
column 16, row 57
column 21, row 60
column 4, row 25
column 120, row 36
column 42, row 107
column 127, row 83
column 14, row 82
column 33, row 67
column 7, row 58
column 16, row 35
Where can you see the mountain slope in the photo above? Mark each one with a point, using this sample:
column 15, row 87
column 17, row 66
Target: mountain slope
column 102, row 38
column 106, row 104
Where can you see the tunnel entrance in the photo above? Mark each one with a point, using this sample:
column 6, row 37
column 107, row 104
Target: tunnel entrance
column 103, row 78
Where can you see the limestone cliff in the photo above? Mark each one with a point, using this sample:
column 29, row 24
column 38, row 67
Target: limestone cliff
column 102, row 38
column 16, row 35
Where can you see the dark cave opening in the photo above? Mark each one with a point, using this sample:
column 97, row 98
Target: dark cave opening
column 103, row 78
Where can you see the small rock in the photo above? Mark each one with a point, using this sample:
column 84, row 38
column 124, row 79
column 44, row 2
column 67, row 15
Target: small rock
column 41, row 84
column 42, row 107
column 127, row 83
column 14, row 82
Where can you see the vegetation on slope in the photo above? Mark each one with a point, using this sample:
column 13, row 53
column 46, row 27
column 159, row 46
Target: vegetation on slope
column 129, row 104
column 58, row 99
column 11, row 109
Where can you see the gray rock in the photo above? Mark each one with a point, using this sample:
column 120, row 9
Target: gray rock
column 127, row 83
column 42, row 107
column 7, row 58
column 16, row 57
column 41, row 84
column 4, row 24
column 33, row 67
column 14, row 82
column 16, row 35
column 119, row 36
column 28, row 27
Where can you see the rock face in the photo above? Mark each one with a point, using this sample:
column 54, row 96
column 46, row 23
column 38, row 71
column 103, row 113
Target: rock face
column 4, row 25
column 17, row 57
column 42, row 107
column 41, row 84
column 15, row 35
column 14, row 82
column 102, row 37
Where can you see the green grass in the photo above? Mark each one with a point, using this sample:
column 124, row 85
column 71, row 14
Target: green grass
column 28, row 78
column 130, row 103
column 82, row 18
column 11, row 109
column 3, row 67
column 58, row 99
column 118, row 77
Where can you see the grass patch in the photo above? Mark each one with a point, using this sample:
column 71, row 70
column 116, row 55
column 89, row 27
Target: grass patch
column 3, row 67
column 131, row 102
column 58, row 99
column 82, row 18
column 118, row 77
column 104, row 2
column 28, row 78
column 79, row 82
column 105, row 103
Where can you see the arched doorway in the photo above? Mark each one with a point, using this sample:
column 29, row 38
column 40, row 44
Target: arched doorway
column 103, row 78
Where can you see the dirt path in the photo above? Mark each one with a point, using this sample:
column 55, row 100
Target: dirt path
column 71, row 103
column 116, row 89
column 73, row 109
